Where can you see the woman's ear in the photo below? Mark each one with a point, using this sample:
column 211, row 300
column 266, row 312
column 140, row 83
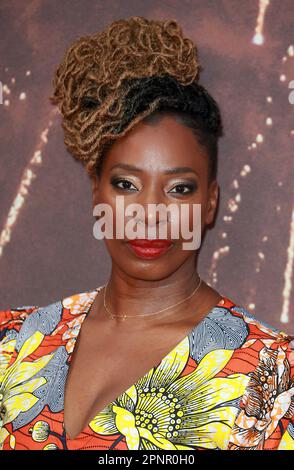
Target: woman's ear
column 95, row 189
column 213, row 196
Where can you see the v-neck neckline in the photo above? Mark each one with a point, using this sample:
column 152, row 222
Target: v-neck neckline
column 84, row 312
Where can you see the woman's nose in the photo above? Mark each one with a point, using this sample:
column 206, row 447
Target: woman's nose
column 149, row 200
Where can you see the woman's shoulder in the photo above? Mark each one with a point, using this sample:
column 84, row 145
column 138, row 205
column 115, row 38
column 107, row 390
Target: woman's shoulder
column 257, row 345
column 14, row 318
column 263, row 350
column 11, row 321
column 257, row 327
column 265, row 355
column 34, row 322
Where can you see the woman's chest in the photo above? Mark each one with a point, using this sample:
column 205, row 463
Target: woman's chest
column 101, row 369
column 137, row 389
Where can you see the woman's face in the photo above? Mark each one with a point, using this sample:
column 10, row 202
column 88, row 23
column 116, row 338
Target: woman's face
column 138, row 169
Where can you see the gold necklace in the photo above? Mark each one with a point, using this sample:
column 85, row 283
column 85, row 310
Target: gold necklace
column 112, row 315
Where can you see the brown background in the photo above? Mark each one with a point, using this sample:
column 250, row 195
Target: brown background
column 47, row 247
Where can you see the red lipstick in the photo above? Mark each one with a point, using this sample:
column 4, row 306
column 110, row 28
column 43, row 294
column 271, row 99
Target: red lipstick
column 149, row 249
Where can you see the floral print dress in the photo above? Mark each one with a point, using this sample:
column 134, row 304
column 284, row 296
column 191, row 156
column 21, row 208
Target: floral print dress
column 228, row 385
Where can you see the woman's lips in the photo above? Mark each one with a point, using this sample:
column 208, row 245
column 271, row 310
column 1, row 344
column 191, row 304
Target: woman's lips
column 149, row 248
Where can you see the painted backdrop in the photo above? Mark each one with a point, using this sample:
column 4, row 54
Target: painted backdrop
column 47, row 247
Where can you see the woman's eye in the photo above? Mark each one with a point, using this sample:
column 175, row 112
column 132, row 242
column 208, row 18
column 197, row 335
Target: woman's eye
column 125, row 184
column 190, row 188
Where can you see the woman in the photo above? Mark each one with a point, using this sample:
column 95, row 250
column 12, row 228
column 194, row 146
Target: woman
column 155, row 358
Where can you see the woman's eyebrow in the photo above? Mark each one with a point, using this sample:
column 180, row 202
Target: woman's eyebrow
column 179, row 169
column 170, row 171
column 126, row 166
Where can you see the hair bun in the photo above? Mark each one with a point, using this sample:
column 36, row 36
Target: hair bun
column 91, row 82
column 129, row 48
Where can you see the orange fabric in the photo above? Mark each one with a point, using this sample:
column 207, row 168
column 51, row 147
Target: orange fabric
column 229, row 384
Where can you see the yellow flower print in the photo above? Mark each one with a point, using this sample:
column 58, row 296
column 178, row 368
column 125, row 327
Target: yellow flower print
column 17, row 383
column 3, row 434
column 166, row 411
column 6, row 351
column 287, row 442
column 40, row 431
column 51, row 447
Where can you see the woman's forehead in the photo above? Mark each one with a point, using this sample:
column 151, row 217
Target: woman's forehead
column 159, row 147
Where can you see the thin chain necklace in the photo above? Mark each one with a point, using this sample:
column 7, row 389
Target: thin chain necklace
column 112, row 315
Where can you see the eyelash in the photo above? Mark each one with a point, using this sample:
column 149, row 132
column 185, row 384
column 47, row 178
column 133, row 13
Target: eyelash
column 190, row 186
